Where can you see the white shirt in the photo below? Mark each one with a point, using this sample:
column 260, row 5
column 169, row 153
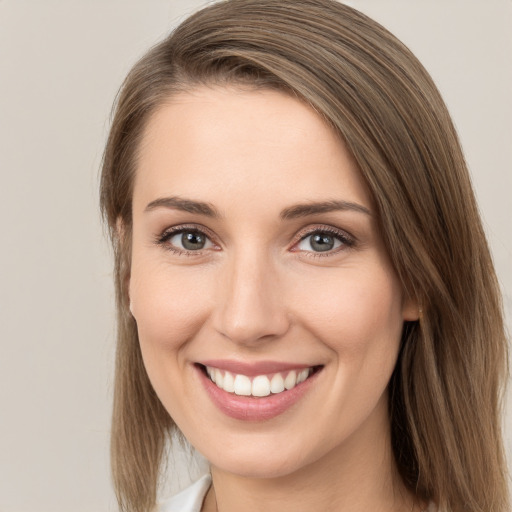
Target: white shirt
column 191, row 499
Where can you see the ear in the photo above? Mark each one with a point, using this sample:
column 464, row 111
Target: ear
column 411, row 309
column 128, row 281
column 124, row 242
column 120, row 228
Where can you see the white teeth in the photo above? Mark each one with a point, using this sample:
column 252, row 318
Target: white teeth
column 259, row 386
column 303, row 375
column 242, row 385
column 291, row 380
column 229, row 382
column 277, row 383
column 219, row 379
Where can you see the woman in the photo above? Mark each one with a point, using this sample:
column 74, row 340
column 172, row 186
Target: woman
column 304, row 288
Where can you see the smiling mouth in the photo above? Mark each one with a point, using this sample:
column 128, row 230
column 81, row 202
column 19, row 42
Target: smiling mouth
column 259, row 385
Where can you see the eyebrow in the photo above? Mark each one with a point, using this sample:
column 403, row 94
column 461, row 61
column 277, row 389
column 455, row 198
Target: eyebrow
column 185, row 205
column 292, row 212
column 303, row 210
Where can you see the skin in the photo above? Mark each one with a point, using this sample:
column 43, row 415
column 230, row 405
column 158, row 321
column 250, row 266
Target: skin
column 259, row 291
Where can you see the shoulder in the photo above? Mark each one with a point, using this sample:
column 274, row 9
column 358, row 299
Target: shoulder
column 190, row 499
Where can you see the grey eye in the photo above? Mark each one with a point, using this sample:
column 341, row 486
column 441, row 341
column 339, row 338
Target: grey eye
column 190, row 241
column 319, row 242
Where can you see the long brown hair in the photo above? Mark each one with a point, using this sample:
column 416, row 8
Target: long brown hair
column 445, row 393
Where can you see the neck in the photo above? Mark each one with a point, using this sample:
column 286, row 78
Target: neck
column 355, row 476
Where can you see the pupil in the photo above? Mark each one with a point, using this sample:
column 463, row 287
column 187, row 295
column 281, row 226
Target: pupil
column 322, row 243
column 192, row 241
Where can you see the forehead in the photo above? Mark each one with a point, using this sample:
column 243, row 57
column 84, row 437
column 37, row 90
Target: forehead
column 216, row 140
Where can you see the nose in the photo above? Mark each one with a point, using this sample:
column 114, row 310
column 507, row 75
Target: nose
column 250, row 307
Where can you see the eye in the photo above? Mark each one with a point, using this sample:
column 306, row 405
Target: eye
column 190, row 240
column 324, row 241
column 186, row 240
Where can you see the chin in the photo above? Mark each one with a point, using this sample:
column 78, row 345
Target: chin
column 261, row 469
column 258, row 462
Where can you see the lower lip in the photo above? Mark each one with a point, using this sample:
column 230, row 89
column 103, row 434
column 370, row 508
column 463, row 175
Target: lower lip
column 249, row 408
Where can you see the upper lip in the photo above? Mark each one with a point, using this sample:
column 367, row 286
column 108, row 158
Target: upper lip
column 252, row 369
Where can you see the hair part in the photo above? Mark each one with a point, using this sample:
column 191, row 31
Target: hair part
column 446, row 391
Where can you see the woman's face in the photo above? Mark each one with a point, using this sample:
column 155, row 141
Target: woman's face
column 257, row 259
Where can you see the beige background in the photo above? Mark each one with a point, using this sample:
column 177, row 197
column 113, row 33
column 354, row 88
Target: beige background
column 61, row 63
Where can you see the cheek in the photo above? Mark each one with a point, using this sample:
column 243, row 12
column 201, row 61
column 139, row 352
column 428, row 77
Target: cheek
column 359, row 319
column 169, row 305
column 169, row 309
column 357, row 312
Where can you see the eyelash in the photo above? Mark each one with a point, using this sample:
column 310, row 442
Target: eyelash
column 347, row 241
column 164, row 238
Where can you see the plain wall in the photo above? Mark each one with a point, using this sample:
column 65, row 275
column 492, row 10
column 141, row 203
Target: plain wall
column 61, row 63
